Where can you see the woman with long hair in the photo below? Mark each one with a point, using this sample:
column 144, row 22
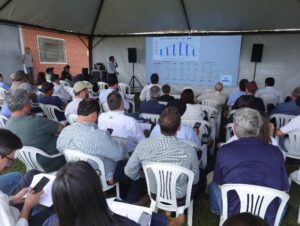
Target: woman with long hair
column 78, row 198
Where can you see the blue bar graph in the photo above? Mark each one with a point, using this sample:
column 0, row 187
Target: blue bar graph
column 180, row 49
column 186, row 50
column 160, row 52
column 173, row 49
column 193, row 52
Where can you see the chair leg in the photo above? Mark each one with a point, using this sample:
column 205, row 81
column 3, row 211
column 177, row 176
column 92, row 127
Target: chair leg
column 118, row 190
column 190, row 214
column 153, row 206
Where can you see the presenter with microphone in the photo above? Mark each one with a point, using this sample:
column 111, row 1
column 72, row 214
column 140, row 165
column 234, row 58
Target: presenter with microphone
column 111, row 66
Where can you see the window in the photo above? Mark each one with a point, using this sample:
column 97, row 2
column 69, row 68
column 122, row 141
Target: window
column 51, row 50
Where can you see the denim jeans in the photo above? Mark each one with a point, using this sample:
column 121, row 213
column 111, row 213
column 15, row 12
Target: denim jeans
column 9, row 181
column 215, row 198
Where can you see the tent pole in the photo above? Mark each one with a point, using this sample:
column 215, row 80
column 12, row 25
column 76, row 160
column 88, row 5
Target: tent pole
column 90, row 49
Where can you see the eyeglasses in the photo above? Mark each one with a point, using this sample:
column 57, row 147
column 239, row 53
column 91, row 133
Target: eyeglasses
column 10, row 159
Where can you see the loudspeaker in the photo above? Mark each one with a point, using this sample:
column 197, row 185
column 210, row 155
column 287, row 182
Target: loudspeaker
column 132, row 55
column 257, row 50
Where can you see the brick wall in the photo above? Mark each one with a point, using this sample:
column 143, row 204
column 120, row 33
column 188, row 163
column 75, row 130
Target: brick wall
column 75, row 50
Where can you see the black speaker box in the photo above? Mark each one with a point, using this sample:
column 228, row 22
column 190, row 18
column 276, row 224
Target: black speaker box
column 257, row 50
column 132, row 55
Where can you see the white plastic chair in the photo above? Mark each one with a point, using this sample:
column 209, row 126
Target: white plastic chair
column 105, row 107
column 3, row 93
column 28, row 155
column 92, row 94
column 95, row 162
column 64, row 83
column 166, row 176
column 49, row 111
column 102, row 86
column 124, row 88
column 71, row 118
column 281, row 119
column 163, row 102
column 3, row 120
column 293, row 150
column 152, row 117
column 253, row 199
column 197, row 148
column 229, row 131
column 211, row 103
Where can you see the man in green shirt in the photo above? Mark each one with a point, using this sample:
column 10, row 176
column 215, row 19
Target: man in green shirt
column 34, row 131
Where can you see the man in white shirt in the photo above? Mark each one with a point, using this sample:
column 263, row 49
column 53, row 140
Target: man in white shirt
column 112, row 82
column 112, row 65
column 81, row 92
column 59, row 90
column 49, row 72
column 215, row 95
column 27, row 60
column 270, row 90
column 145, row 93
column 115, row 120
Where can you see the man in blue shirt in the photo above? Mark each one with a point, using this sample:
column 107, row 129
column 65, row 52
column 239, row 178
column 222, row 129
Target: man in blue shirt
column 249, row 160
column 3, row 84
column 290, row 107
column 235, row 95
column 152, row 106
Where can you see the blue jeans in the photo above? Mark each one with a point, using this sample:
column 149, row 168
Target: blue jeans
column 215, row 198
column 30, row 72
column 9, row 181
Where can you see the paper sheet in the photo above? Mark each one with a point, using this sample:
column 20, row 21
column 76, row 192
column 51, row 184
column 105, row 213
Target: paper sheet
column 46, row 198
column 132, row 212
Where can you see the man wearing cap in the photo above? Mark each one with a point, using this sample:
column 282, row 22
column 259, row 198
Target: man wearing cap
column 152, row 106
column 81, row 92
column 112, row 82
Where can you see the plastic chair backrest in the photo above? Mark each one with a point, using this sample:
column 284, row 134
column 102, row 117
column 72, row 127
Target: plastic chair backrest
column 211, row 103
column 28, row 155
column 71, row 118
column 166, row 176
column 3, row 120
column 123, row 87
column 3, row 93
column 212, row 112
column 72, row 155
column 281, row 119
column 102, row 86
column 229, row 131
column 253, row 199
column 269, row 99
column 64, row 83
column 49, row 111
column 152, row 117
column 294, row 145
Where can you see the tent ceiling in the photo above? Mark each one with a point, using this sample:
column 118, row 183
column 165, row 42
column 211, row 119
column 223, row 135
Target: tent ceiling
column 132, row 17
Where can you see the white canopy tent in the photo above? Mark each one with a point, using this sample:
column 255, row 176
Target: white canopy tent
column 152, row 17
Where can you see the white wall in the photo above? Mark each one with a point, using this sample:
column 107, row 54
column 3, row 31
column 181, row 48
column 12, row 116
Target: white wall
column 281, row 59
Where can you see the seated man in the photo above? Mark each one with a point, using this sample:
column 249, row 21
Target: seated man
column 10, row 215
column 81, row 92
column 185, row 132
column 166, row 148
column 215, row 95
column 47, row 98
column 290, row 107
column 112, row 82
column 249, row 99
column 166, row 91
column 85, row 136
column 235, row 95
column 59, row 90
column 269, row 89
column 145, row 93
column 34, row 131
column 249, row 160
column 293, row 125
column 152, row 106
column 3, row 84
column 120, row 124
